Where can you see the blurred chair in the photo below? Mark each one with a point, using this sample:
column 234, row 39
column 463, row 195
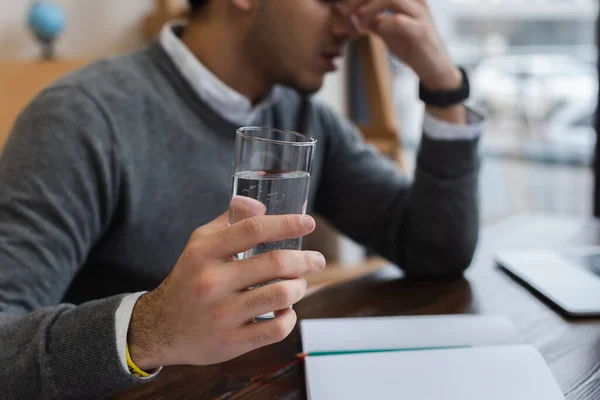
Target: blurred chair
column 21, row 81
column 370, row 69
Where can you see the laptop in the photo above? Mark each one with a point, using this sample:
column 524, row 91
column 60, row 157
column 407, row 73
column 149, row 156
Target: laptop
column 568, row 279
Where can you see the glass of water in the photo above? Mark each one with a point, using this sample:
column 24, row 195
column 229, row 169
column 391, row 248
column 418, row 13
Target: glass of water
column 271, row 176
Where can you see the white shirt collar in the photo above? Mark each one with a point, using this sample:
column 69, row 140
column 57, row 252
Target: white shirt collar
column 225, row 101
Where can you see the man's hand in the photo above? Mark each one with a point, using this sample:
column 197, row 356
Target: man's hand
column 408, row 30
column 410, row 34
column 203, row 312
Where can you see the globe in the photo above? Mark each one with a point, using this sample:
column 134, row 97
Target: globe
column 46, row 20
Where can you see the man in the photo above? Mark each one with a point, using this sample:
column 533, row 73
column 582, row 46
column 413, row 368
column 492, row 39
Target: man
column 109, row 172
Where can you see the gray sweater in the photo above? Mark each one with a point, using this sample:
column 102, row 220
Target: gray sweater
column 107, row 173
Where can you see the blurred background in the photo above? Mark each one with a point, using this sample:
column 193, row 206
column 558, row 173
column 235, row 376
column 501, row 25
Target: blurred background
column 532, row 65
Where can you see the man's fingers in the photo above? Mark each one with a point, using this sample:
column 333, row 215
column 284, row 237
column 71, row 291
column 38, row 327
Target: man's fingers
column 242, row 207
column 267, row 267
column 264, row 333
column 265, row 299
column 424, row 2
column 370, row 9
column 353, row 4
column 221, row 222
column 277, row 313
column 236, row 276
column 244, row 235
column 396, row 25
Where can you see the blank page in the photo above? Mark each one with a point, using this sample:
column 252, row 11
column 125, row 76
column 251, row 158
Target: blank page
column 405, row 332
column 490, row 373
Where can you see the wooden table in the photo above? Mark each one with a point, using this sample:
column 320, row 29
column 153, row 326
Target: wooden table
column 570, row 347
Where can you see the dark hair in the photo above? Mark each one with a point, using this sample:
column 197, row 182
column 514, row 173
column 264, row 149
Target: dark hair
column 196, row 5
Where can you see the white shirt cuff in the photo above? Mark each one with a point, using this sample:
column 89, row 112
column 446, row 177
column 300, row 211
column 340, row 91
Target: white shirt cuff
column 122, row 318
column 437, row 129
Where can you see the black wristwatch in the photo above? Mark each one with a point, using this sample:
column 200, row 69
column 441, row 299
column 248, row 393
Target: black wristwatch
column 446, row 98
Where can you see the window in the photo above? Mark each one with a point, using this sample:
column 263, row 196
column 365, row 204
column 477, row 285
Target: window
column 532, row 66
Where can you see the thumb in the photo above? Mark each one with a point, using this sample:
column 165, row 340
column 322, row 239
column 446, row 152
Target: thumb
column 240, row 208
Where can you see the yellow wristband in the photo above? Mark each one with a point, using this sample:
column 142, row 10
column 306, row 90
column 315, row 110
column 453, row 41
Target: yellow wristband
column 134, row 369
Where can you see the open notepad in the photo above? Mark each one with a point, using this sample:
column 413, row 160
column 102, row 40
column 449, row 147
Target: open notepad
column 422, row 358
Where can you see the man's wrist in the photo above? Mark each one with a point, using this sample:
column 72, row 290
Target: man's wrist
column 456, row 114
column 122, row 320
column 143, row 348
column 449, row 79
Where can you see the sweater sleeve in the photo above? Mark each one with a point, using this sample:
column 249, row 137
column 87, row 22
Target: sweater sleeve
column 58, row 183
column 428, row 227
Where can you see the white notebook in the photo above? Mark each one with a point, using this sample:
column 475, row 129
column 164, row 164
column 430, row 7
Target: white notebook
column 422, row 358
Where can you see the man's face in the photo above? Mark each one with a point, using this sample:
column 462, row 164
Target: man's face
column 296, row 42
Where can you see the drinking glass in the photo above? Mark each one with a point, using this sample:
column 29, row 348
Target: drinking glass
column 271, row 177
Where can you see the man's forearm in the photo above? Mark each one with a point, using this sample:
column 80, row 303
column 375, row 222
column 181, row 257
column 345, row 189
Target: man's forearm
column 62, row 352
column 441, row 226
column 444, row 195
